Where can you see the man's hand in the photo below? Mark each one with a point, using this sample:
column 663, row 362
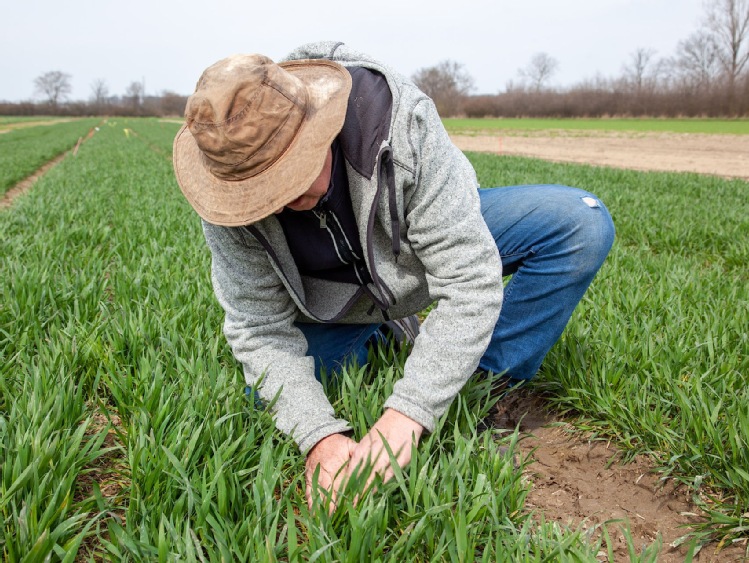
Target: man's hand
column 331, row 454
column 399, row 432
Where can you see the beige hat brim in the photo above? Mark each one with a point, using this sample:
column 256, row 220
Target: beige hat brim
column 241, row 202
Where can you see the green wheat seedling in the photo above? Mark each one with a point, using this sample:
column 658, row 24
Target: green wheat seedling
column 107, row 314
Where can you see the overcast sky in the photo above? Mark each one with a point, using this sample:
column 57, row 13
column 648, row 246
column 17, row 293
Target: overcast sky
column 168, row 43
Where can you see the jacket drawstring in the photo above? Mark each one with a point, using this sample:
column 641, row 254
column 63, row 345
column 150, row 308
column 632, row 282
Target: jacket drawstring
column 386, row 173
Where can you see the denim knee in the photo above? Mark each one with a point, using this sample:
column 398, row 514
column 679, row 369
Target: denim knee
column 589, row 228
column 598, row 231
column 552, row 239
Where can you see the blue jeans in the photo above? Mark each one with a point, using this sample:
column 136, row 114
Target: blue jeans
column 552, row 240
column 334, row 344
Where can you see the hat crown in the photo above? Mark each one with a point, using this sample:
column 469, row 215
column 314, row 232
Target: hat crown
column 257, row 135
column 244, row 114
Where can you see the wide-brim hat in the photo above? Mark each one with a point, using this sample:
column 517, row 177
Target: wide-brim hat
column 257, row 135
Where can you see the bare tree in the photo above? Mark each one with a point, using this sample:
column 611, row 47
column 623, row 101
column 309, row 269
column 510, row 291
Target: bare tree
column 636, row 71
column 728, row 20
column 99, row 93
column 539, row 70
column 134, row 95
column 54, row 86
column 697, row 60
column 447, row 83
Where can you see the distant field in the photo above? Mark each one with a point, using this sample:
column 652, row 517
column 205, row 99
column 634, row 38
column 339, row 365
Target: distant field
column 714, row 126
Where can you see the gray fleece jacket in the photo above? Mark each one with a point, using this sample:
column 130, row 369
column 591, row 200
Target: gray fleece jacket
column 415, row 199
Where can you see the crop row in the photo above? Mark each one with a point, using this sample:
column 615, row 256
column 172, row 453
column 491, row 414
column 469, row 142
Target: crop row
column 108, row 315
column 24, row 150
column 127, row 436
column 158, row 133
column 656, row 355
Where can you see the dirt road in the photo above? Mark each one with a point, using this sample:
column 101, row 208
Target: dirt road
column 722, row 155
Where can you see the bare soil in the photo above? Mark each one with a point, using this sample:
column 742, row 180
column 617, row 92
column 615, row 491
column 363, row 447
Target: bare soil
column 582, row 483
column 5, row 127
column 721, row 155
column 109, row 473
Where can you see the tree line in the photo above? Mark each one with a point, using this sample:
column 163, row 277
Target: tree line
column 707, row 76
column 54, row 87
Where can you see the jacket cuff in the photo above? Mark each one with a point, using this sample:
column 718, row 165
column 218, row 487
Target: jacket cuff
column 413, row 411
column 309, row 439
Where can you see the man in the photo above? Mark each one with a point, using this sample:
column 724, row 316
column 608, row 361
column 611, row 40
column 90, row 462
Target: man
column 333, row 201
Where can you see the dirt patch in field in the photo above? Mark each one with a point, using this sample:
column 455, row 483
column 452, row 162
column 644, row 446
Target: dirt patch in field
column 722, row 155
column 108, row 473
column 582, row 483
column 5, row 127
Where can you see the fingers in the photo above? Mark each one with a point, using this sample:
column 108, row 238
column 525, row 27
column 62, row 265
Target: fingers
column 341, row 461
column 325, row 485
column 372, row 456
column 325, row 469
column 316, row 478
